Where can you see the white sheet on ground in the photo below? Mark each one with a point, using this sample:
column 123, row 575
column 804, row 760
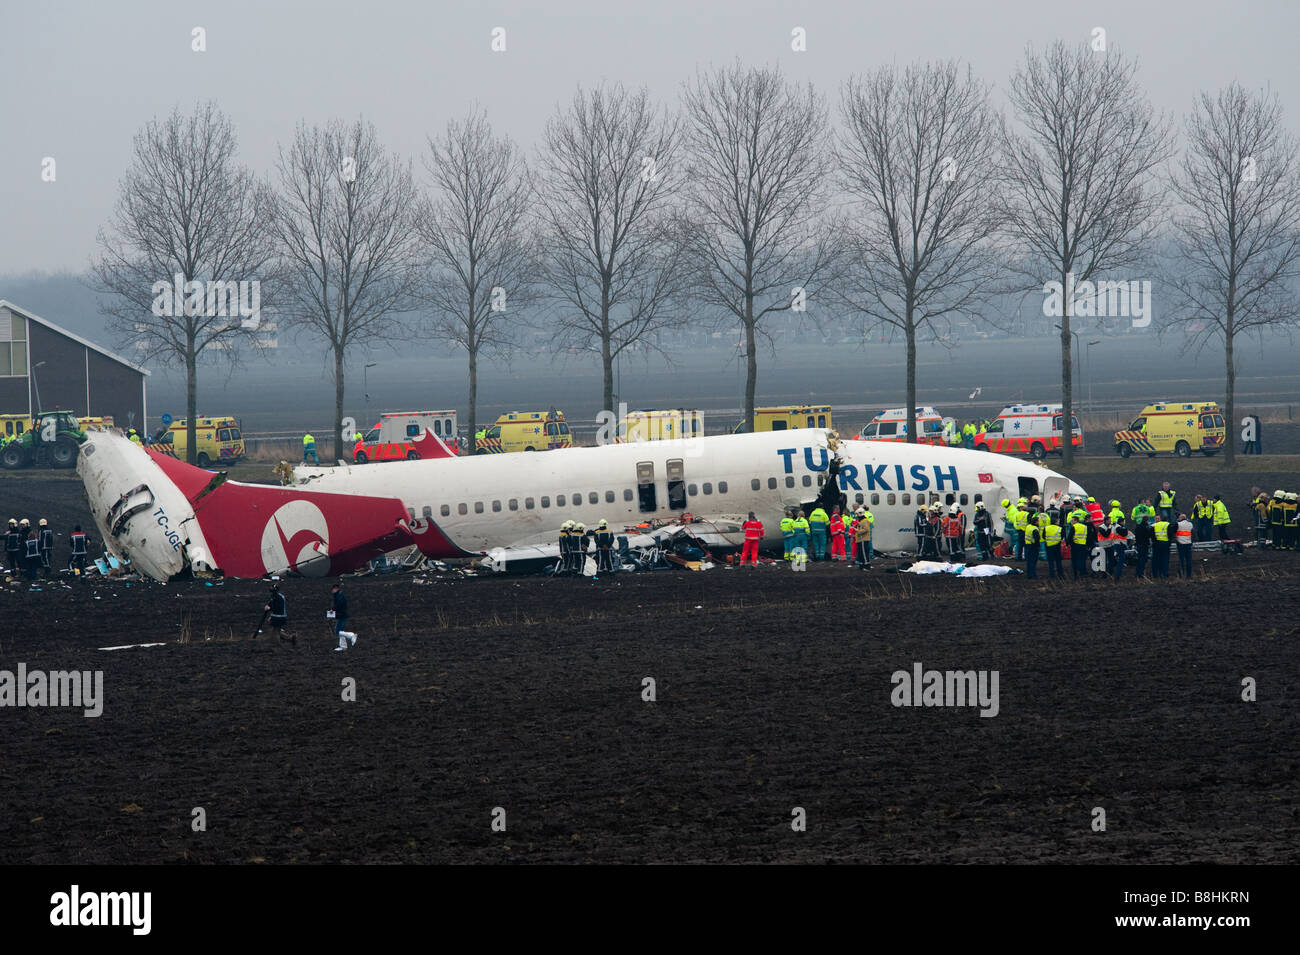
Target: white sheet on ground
column 959, row 570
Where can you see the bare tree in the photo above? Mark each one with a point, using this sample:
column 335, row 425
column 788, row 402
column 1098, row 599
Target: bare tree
column 1237, row 228
column 475, row 229
column 756, row 238
column 916, row 158
column 187, row 230
column 1081, row 197
column 609, row 254
column 345, row 223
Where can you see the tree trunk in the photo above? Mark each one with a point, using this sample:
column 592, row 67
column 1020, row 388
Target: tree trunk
column 751, row 366
column 191, row 402
column 472, row 424
column 1067, row 378
column 1229, row 403
column 606, row 360
column 910, row 330
column 338, row 402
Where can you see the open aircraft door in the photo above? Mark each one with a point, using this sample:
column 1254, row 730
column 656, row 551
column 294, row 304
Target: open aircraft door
column 1054, row 486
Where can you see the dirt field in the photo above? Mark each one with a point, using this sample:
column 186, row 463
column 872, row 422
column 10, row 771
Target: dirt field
column 773, row 691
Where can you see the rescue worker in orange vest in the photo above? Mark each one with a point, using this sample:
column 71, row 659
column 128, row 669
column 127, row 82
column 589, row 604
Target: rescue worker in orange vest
column 753, row 529
column 1052, row 539
column 79, row 547
column 1118, row 545
column 1183, row 540
column 954, row 532
column 836, row 529
column 1160, row 547
column 1103, row 541
column 1095, row 514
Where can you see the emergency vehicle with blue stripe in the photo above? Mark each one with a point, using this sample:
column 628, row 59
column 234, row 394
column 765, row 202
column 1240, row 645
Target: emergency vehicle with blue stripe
column 525, row 431
column 1181, row 427
column 1034, row 430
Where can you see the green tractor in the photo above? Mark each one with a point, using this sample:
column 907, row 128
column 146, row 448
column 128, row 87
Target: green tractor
column 52, row 442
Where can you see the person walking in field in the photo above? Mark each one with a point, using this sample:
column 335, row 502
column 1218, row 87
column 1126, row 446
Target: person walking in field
column 862, row 540
column 277, row 611
column 347, row 639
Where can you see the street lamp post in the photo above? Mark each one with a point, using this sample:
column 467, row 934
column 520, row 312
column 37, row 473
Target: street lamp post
column 365, row 388
column 37, row 389
column 1089, row 367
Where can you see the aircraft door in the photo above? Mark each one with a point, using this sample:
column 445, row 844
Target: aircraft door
column 647, row 498
column 676, row 485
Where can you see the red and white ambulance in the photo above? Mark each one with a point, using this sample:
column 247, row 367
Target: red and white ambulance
column 891, row 425
column 408, row 435
column 1034, row 430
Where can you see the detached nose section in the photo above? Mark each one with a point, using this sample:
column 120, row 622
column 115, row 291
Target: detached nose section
column 141, row 515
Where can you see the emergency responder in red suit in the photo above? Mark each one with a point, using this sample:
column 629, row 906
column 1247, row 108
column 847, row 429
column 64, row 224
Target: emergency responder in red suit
column 1095, row 515
column 836, row 528
column 753, row 529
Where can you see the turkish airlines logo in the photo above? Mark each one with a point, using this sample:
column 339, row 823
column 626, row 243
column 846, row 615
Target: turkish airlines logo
column 296, row 538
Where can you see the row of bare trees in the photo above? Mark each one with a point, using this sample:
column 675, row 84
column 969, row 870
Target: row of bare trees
column 632, row 219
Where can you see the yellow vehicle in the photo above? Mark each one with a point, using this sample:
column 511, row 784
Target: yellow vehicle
column 525, row 431
column 652, row 424
column 96, row 424
column 13, row 425
column 217, row 439
column 789, row 418
column 1180, row 427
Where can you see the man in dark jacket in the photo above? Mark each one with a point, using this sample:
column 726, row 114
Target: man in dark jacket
column 13, row 547
column 45, row 538
column 347, row 639
column 277, row 610
column 1142, row 540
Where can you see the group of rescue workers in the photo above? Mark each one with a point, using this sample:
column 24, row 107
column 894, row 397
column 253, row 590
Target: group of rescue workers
column 575, row 543
column 821, row 536
column 31, row 549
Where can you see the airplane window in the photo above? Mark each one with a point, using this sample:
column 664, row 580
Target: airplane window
column 950, row 499
column 609, row 497
column 907, row 499
column 411, row 512
column 821, row 479
column 627, row 494
column 593, row 497
column 478, row 507
column 934, row 498
column 546, row 501
column 708, row 487
column 807, row 480
column 692, row 490
column 875, row 498
column 755, row 484
column 978, row 498
column 889, row 499
column 428, row 513
column 559, row 500
column 529, row 504
column 859, row 498
column 789, row 481
column 462, row 509
column 963, row 499
column 722, row 487
column 577, row 498
column 496, row 505
column 514, row 504
column 445, row 510
column 771, row 484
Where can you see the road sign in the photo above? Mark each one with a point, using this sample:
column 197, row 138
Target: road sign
column 166, row 421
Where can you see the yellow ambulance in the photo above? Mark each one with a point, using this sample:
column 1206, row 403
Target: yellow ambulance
column 788, row 418
column 217, row 439
column 526, row 431
column 1181, row 427
column 653, row 424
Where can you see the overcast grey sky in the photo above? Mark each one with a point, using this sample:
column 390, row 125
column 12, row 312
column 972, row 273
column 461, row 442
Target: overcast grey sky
column 80, row 78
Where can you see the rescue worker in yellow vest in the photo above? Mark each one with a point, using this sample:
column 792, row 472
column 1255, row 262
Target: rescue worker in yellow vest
column 818, row 522
column 801, row 530
column 1166, row 502
column 1052, row 539
column 1021, row 521
column 862, row 540
column 1008, row 522
column 1202, row 519
column 864, row 514
column 787, row 532
column 309, row 449
column 1141, row 510
column 1118, row 546
column 1221, row 520
column 131, row 433
column 1032, row 540
column 1183, row 540
column 1160, row 547
column 1116, row 513
column 1277, row 529
column 565, row 565
column 1081, row 533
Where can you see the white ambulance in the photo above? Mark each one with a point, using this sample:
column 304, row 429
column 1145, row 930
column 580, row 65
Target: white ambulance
column 891, row 425
column 1034, row 430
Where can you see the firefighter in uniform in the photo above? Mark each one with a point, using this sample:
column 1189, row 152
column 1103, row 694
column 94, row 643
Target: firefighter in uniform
column 818, row 521
column 580, row 541
column 1118, row 545
column 836, row 529
column 78, row 541
column 1291, row 532
column 984, row 531
column 13, row 546
column 1160, row 547
column 1221, row 519
column 1277, row 533
column 1183, row 540
column 45, row 538
column 31, row 554
column 921, row 527
column 954, row 529
column 1259, row 508
column 566, row 548
column 277, row 611
column 604, row 548
column 753, row 529
column 787, row 533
